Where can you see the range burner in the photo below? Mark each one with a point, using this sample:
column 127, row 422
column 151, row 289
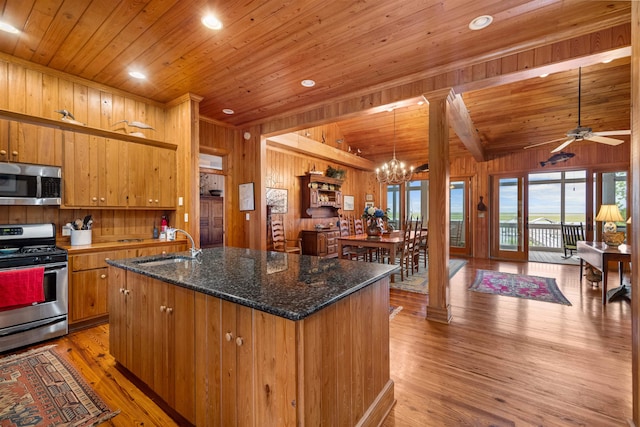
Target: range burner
column 39, row 249
column 29, row 244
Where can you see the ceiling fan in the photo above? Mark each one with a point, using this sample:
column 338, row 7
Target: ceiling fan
column 584, row 133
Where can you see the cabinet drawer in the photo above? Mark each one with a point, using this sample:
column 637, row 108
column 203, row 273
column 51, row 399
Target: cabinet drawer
column 94, row 260
column 331, row 249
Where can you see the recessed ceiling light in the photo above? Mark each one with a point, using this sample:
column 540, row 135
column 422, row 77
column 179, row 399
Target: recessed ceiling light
column 137, row 75
column 211, row 22
column 544, row 75
column 8, row 28
column 308, row 83
column 228, row 111
column 420, row 102
column 481, row 22
column 606, row 61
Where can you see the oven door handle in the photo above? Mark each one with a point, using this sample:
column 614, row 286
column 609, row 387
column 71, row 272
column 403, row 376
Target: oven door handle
column 31, row 325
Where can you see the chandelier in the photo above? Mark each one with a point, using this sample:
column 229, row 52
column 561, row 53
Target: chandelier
column 394, row 171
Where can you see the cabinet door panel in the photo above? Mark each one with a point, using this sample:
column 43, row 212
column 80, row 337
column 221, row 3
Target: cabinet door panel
column 245, row 363
column 182, row 351
column 140, row 328
column 35, row 144
column 229, row 365
column 88, row 294
column 165, row 178
column 113, row 179
column 117, row 315
column 137, row 175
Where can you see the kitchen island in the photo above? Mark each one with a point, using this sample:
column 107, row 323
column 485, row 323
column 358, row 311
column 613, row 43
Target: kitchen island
column 246, row 337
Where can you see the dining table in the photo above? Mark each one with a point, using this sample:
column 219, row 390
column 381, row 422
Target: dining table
column 390, row 241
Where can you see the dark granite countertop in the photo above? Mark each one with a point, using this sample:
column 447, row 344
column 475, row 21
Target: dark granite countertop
column 286, row 285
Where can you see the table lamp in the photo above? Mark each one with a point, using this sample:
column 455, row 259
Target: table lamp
column 610, row 214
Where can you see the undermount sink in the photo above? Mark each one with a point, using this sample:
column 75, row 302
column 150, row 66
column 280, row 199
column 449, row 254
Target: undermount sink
column 163, row 261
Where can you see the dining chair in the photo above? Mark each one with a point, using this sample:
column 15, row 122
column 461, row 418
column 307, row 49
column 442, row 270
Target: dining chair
column 405, row 250
column 415, row 245
column 280, row 241
column 349, row 251
column 424, row 245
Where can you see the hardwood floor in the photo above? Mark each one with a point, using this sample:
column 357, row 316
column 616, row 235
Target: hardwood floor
column 501, row 362
column 507, row 361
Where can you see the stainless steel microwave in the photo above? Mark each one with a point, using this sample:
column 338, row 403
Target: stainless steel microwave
column 25, row 184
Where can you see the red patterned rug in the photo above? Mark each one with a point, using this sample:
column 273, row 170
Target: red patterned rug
column 518, row 285
column 39, row 388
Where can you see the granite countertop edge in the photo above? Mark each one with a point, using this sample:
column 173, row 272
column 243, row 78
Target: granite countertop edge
column 287, row 309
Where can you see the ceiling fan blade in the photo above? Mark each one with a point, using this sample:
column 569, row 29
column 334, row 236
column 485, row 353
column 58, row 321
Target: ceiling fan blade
column 543, row 143
column 604, row 140
column 564, row 144
column 613, row 132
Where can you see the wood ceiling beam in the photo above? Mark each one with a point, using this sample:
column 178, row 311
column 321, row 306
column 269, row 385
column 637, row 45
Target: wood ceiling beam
column 310, row 147
column 554, row 57
column 461, row 122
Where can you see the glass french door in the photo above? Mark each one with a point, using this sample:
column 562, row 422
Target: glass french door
column 508, row 218
column 458, row 216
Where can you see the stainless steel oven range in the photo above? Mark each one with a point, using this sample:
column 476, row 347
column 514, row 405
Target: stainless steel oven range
column 24, row 246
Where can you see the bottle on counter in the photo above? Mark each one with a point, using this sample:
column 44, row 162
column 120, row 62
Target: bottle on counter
column 156, row 234
column 163, row 228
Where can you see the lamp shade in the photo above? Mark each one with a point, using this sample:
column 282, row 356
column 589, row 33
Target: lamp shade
column 609, row 213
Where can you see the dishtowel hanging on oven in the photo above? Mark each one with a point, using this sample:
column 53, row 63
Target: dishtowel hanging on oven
column 21, row 287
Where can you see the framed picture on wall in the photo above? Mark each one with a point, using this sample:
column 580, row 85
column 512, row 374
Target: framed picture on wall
column 247, row 201
column 368, row 204
column 277, row 198
column 369, row 197
column 348, row 203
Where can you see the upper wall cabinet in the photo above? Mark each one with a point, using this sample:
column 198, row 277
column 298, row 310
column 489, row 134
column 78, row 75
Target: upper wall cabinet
column 110, row 173
column 26, row 143
column 152, row 181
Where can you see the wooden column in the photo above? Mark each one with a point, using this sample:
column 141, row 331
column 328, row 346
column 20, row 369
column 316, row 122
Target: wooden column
column 439, row 309
column 635, row 201
column 183, row 129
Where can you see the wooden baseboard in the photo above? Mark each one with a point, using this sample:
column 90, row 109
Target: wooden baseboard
column 380, row 407
column 77, row 326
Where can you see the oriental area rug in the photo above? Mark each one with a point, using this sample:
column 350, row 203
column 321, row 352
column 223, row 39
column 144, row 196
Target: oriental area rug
column 419, row 281
column 39, row 388
column 519, row 286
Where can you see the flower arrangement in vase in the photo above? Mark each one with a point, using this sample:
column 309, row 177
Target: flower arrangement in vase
column 374, row 216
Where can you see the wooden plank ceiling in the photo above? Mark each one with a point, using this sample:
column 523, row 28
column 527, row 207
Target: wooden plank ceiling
column 255, row 64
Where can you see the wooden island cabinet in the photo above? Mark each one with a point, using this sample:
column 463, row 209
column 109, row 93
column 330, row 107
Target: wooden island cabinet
column 88, row 278
column 248, row 359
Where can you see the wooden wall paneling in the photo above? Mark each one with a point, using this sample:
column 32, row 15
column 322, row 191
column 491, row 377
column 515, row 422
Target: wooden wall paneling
column 50, row 94
column 33, row 92
column 80, row 108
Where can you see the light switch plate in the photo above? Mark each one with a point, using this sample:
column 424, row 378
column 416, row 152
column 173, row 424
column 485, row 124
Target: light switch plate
column 180, row 201
column 186, row 217
column 246, row 216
